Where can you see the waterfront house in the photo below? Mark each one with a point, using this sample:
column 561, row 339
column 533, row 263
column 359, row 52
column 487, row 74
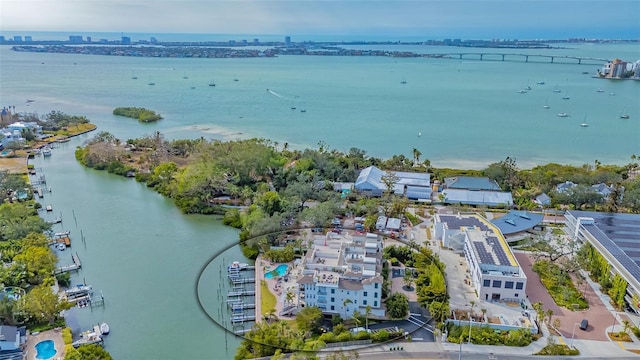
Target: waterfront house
column 542, row 199
column 563, row 187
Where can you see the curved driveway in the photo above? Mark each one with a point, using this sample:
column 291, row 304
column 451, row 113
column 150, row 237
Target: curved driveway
column 598, row 315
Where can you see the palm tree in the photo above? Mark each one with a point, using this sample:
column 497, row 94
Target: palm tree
column 416, row 156
column 484, row 313
column 549, row 315
column 344, row 303
column 407, row 279
column 538, row 308
column 289, row 297
column 356, row 317
column 271, row 313
column 367, row 312
column 627, row 326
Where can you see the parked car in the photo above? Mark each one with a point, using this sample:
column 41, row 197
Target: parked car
column 584, row 324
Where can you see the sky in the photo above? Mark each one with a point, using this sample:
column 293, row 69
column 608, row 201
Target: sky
column 480, row 19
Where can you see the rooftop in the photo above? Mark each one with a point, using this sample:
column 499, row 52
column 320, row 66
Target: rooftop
column 471, row 183
column 619, row 234
column 489, row 244
column 517, row 221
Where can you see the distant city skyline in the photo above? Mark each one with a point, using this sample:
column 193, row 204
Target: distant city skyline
column 526, row 19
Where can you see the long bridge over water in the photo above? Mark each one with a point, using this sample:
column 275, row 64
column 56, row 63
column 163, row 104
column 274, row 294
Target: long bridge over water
column 492, row 56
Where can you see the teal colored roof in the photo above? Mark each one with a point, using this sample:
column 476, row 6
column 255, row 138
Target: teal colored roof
column 471, row 183
column 517, row 221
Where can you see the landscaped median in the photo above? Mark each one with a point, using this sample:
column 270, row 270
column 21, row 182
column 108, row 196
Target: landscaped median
column 559, row 285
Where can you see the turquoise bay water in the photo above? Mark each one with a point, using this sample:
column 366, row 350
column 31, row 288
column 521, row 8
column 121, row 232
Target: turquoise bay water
column 158, row 269
column 468, row 112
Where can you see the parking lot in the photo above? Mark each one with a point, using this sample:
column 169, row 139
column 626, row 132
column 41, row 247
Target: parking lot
column 598, row 315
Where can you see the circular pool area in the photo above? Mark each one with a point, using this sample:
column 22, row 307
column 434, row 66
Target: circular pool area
column 279, row 271
column 45, row 349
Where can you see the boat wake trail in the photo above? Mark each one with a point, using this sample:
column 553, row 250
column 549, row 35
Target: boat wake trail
column 280, row 95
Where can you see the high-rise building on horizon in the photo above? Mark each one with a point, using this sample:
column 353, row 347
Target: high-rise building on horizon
column 287, row 41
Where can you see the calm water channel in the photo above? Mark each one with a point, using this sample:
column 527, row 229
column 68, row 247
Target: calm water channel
column 145, row 256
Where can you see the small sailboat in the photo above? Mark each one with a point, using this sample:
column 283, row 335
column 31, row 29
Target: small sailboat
column 584, row 122
column 185, row 76
column 133, row 75
column 546, row 105
column 556, row 89
column 403, row 81
column 600, row 90
column 211, row 83
column 563, row 114
column 540, row 82
column 522, row 91
column 150, row 83
column 565, row 96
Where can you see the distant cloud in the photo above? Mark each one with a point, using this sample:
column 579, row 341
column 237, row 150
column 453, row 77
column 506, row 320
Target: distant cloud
column 461, row 18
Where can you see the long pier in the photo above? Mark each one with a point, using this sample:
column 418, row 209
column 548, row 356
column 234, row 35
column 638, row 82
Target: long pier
column 492, row 56
column 75, row 266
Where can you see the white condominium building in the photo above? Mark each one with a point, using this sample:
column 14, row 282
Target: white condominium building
column 341, row 274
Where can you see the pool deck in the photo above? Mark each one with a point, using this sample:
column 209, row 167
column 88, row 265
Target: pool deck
column 32, row 340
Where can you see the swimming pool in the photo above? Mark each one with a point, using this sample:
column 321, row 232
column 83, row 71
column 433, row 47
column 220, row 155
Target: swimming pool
column 279, row 271
column 45, row 349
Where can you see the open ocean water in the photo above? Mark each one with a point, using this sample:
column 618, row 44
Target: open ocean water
column 468, row 112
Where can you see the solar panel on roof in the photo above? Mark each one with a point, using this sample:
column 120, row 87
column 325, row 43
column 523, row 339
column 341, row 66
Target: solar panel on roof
column 631, row 266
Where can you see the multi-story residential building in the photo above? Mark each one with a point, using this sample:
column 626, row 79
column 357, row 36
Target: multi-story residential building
column 342, row 274
column 616, row 237
column 494, row 271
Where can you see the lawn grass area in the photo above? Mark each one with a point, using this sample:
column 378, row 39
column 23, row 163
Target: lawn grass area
column 620, row 336
column 267, row 299
column 558, row 231
column 71, row 131
column 414, row 219
column 559, row 285
column 557, row 349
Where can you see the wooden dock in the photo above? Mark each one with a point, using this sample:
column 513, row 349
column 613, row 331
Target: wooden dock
column 75, row 266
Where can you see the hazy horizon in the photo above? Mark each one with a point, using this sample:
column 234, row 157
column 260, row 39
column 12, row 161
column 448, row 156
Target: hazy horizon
column 431, row 19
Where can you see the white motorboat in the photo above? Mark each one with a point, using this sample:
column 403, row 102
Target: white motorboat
column 79, row 290
column 104, row 328
column 563, row 114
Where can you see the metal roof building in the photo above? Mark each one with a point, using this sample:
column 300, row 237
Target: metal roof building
column 517, row 221
column 617, row 238
column 413, row 185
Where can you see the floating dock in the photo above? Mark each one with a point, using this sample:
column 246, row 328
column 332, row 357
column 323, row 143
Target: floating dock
column 241, row 293
column 240, row 280
column 239, row 319
column 242, row 306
